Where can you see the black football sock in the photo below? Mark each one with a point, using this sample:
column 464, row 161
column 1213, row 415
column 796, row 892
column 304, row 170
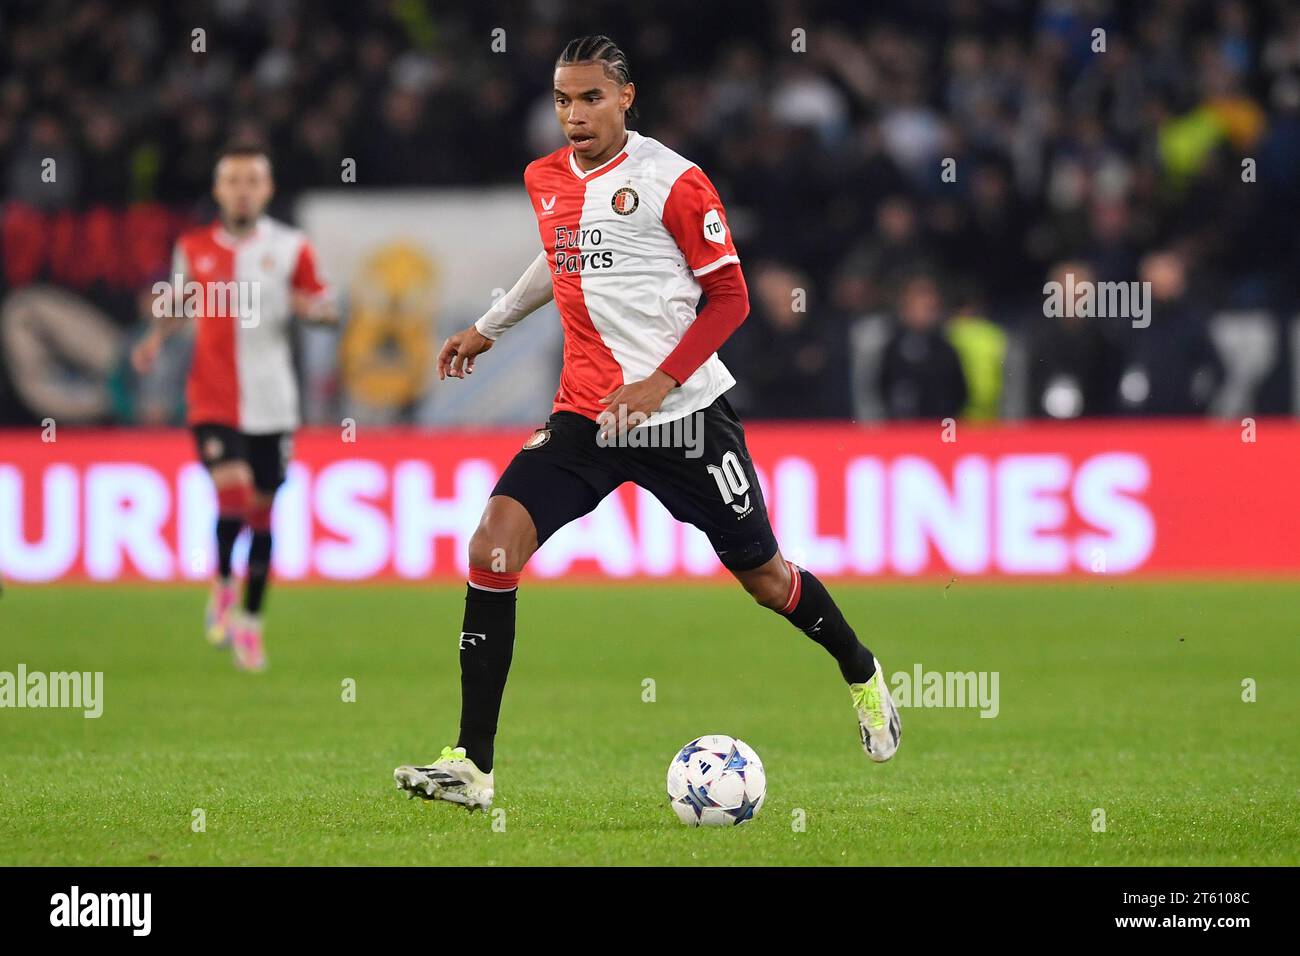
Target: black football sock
column 815, row 613
column 487, row 643
column 227, row 533
column 259, row 569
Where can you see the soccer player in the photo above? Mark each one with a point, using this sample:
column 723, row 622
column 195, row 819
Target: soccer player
column 242, row 277
column 632, row 234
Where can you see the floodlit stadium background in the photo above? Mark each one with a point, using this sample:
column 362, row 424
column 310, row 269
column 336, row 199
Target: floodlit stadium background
column 887, row 297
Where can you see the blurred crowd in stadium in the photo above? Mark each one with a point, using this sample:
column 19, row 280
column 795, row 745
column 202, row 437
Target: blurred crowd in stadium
column 916, row 295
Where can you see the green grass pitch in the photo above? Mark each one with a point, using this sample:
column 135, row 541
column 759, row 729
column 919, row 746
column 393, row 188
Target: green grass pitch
column 1114, row 695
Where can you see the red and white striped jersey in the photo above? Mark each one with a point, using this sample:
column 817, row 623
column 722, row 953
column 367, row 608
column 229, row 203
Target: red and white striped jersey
column 625, row 242
column 242, row 371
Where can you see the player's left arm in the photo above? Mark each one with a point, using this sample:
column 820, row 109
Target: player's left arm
column 310, row 295
column 146, row 351
column 693, row 214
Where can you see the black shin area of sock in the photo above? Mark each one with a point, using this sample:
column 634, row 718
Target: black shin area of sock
column 227, row 532
column 487, row 643
column 259, row 569
column 818, row 616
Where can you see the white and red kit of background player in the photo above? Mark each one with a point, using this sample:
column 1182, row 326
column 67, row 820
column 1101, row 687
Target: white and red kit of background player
column 626, row 246
column 242, row 372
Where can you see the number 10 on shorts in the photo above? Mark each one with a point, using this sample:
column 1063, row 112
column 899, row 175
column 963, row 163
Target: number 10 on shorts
column 732, row 482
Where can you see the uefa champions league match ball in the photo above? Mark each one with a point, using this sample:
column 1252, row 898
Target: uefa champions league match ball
column 716, row 781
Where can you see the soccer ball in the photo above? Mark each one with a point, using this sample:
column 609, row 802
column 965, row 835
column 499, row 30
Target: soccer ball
column 716, row 781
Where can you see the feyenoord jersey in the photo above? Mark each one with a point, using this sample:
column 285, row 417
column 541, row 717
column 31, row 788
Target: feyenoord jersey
column 626, row 243
column 242, row 373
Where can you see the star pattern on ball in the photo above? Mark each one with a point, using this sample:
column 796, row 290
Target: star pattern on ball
column 736, row 761
column 698, row 799
column 746, row 810
column 691, row 748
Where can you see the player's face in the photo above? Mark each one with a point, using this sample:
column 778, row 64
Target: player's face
column 242, row 187
column 590, row 108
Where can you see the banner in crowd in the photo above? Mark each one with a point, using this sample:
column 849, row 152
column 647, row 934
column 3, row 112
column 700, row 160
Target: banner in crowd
column 899, row 502
column 412, row 267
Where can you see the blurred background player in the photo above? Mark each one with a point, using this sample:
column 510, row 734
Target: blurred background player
column 632, row 234
column 241, row 279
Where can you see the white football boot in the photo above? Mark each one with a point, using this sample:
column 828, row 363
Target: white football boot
column 452, row 777
column 246, row 641
column 878, row 718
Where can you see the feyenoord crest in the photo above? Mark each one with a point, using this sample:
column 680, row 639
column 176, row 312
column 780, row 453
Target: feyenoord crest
column 537, row 439
column 625, row 201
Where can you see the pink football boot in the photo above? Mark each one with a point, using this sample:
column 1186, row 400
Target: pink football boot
column 217, row 618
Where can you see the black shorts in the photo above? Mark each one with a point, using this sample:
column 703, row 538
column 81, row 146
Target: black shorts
column 562, row 473
column 267, row 455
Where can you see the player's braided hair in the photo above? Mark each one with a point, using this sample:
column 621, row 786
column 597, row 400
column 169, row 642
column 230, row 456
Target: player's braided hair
column 602, row 50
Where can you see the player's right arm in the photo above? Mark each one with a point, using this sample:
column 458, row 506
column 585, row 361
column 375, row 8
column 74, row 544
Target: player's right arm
column 145, row 353
column 530, row 293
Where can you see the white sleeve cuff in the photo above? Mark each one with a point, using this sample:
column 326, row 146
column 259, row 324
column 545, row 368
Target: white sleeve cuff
column 715, row 265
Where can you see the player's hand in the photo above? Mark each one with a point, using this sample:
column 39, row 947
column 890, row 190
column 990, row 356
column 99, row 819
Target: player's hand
column 315, row 308
column 641, row 399
column 457, row 356
column 145, row 353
